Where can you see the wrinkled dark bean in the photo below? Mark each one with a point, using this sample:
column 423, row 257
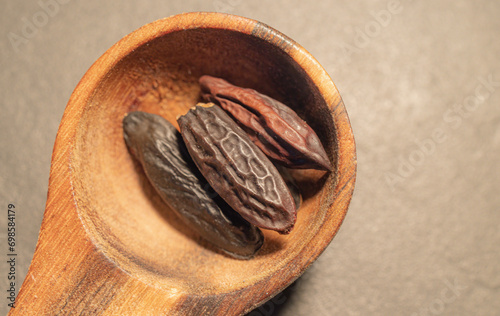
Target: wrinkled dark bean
column 237, row 169
column 160, row 149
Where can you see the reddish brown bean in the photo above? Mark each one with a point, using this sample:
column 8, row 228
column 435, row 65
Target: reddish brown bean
column 275, row 128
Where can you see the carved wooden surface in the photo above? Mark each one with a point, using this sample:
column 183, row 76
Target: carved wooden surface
column 108, row 245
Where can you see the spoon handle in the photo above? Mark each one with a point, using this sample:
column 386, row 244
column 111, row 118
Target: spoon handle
column 69, row 275
column 66, row 274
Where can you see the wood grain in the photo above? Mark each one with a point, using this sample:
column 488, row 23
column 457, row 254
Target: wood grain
column 108, row 245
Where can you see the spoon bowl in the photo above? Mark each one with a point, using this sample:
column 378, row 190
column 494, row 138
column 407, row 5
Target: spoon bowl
column 109, row 245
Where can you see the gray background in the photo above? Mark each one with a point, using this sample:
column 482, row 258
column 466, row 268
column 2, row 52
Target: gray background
column 421, row 236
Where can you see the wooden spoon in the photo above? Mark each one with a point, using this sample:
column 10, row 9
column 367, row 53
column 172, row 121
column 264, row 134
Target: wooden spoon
column 108, row 245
